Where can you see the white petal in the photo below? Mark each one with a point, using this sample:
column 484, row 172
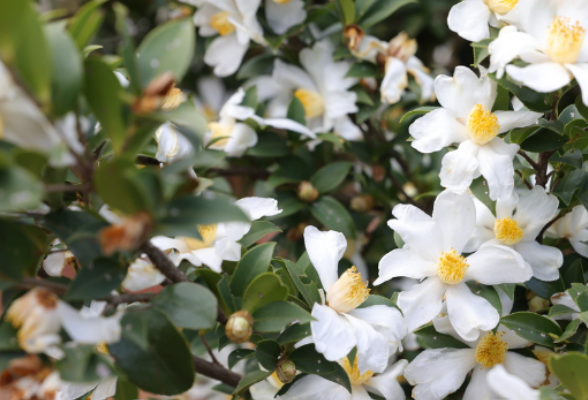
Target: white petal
column 344, row 127
column 282, row 17
column 469, row 19
column 386, row 384
column 325, row 249
column 496, row 165
column 394, row 82
column 484, row 231
column 89, row 330
column 211, row 257
column 578, row 242
column 439, row 372
column 242, row 137
column 455, row 215
column 543, row 78
column 332, row 334
column 580, row 72
column 530, row 370
column 315, row 387
column 510, row 337
column 291, row 77
column 105, row 389
column 422, row 77
column 508, row 386
column 493, row 265
column 535, row 209
column 436, row 130
column 359, row 393
column 371, row 346
column 72, row 391
column 225, row 54
column 54, row 263
column 258, row 207
column 544, row 260
column 469, row 314
column 288, row 124
column 509, row 44
column 403, row 262
column 478, row 388
column 422, row 302
column 462, row 92
column 459, row 168
column 516, row 119
column 142, row 275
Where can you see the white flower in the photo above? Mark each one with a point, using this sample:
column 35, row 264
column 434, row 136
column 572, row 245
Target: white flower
column 466, row 119
column 87, row 326
column 102, row 389
column 574, row 227
column 470, row 18
column 171, row 144
column 439, row 372
column 432, row 250
column 317, row 388
column 266, row 389
column 282, row 15
column 141, row 275
column 508, row 386
column 551, row 38
column 339, row 325
column 565, row 299
column 321, row 87
column 517, row 224
column 236, row 23
column 212, row 95
column 57, row 260
column 219, row 241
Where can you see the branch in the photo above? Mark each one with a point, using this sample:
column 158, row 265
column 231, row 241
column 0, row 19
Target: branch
column 216, row 371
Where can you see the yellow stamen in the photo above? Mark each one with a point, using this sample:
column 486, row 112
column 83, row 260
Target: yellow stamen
column 508, row 231
column 208, row 233
column 102, row 348
column 220, row 131
column 313, row 102
column 220, row 22
column 348, row 292
column 501, row 6
column 172, row 99
column 281, row 1
column 491, row 350
column 452, row 267
column 482, row 125
column 565, row 38
column 353, row 372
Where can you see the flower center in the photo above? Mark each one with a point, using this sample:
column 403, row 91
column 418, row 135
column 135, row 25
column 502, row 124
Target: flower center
column 313, row 102
column 208, row 233
column 281, row 1
column 491, row 350
column 220, row 131
column 353, row 372
column 508, row 231
column 451, row 267
column 482, row 125
column 220, row 22
column 102, row 348
column 172, row 99
column 348, row 292
column 501, row 6
column 565, row 38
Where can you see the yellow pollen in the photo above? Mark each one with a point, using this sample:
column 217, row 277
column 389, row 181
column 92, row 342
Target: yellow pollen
column 172, row 99
column 451, row 267
column 508, row 231
column 501, row 6
column 564, row 40
column 209, row 113
column 482, row 125
column 281, row 1
column 353, row 372
column 313, row 102
column 208, row 233
column 220, row 22
column 491, row 350
column 348, row 292
column 102, row 348
column 220, row 131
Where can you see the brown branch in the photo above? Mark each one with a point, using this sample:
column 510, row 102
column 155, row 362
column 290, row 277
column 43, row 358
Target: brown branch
column 163, row 263
column 146, row 160
column 546, row 227
column 527, row 184
column 216, row 371
column 541, row 178
column 210, row 353
column 528, row 158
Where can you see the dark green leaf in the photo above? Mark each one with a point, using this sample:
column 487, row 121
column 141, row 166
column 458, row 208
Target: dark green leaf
column 250, row 379
column 571, row 369
column 255, row 262
column 294, row 333
column 380, row 10
column 417, row 111
column 22, row 248
column 264, row 289
column 431, row 339
column 97, row 279
column 533, row 327
column 188, row 305
column 274, row 317
column 267, row 353
column 363, row 70
column 333, row 215
column 258, row 230
column 80, row 364
column 239, row 355
column 21, row 190
column 570, row 331
column 308, row 360
column 330, row 176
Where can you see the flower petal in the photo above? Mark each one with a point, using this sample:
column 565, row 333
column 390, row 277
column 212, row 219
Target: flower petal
column 258, row 207
column 371, row 346
column 90, row 330
column 469, row 19
column 580, row 72
column 283, row 16
column 459, row 168
column 105, row 389
column 508, row 386
column 496, row 165
column 386, row 320
column 404, row 262
column 530, row 370
column 544, row 260
column 455, row 215
column 469, row 314
column 422, row 302
column 510, row 44
column 332, row 334
column 494, row 264
column 225, row 54
column 386, row 384
column 325, row 249
column 478, row 386
column 436, row 130
column 315, row 387
column 544, row 78
column 516, row 119
column 535, row 209
column 394, row 82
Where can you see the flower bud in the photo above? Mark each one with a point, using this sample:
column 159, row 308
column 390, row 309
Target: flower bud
column 362, row 203
column 296, row 233
column 536, row 303
column 239, row 327
column 286, row 371
column 307, row 192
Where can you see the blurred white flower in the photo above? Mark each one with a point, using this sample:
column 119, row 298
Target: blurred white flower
column 282, row 15
column 508, row 386
column 87, row 326
column 171, row 144
column 141, row 275
column 574, row 227
column 470, row 18
column 57, row 260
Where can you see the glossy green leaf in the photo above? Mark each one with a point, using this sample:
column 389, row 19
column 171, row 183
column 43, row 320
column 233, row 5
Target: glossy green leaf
column 417, row 111
column 21, row 190
column 333, row 215
column 262, row 290
column 308, row 360
column 239, row 355
column 80, row 364
column 533, row 327
column 570, row 331
column 330, row 176
column 22, row 248
column 188, row 305
column 251, row 378
column 294, row 333
column 347, row 10
column 571, row 370
column 309, row 292
column 380, row 10
column 96, row 280
column 267, row 353
column 86, row 22
column 255, row 262
column 274, row 317
column 431, row 339
column 258, row 230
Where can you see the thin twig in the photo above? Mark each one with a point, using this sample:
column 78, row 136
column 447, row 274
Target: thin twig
column 214, row 360
column 527, row 184
column 216, row 371
column 528, row 158
column 546, row 227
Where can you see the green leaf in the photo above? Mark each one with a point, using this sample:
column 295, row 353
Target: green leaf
column 571, row 157
column 570, row 331
column 533, row 327
column 480, row 189
column 545, row 289
column 380, row 10
column 102, row 91
column 8, row 339
column 256, row 66
column 188, row 305
column 480, row 51
column 375, row 300
column 251, row 378
column 296, row 111
column 80, row 364
column 258, row 230
column 488, row 293
column 21, row 190
column 22, row 248
column 309, row 292
column 531, row 99
column 333, row 215
column 86, row 22
column 255, row 262
column 330, row 176
column 66, row 77
column 269, row 144
column 560, row 309
column 264, row 289
column 543, row 140
column 569, row 185
column 362, row 70
column 294, row 333
column 347, row 10
column 98, row 279
column 153, row 354
column 239, row 355
column 125, row 390
column 417, row 111
column 274, row 317
column 267, row 353
column 167, row 48
column 431, row 339
column 308, row 360
column 571, row 369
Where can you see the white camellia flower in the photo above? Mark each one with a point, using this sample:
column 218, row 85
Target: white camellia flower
column 101, row 390
column 141, row 275
column 466, row 119
column 551, row 38
column 317, row 388
column 219, row 241
column 282, row 15
column 470, row 18
column 171, row 144
column 574, row 227
column 339, row 324
column 57, row 260
column 508, row 386
column 87, row 326
column 435, row 373
column 517, row 224
column 321, row 87
column 433, row 252
column 236, row 23
column 565, row 299
column 212, row 95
